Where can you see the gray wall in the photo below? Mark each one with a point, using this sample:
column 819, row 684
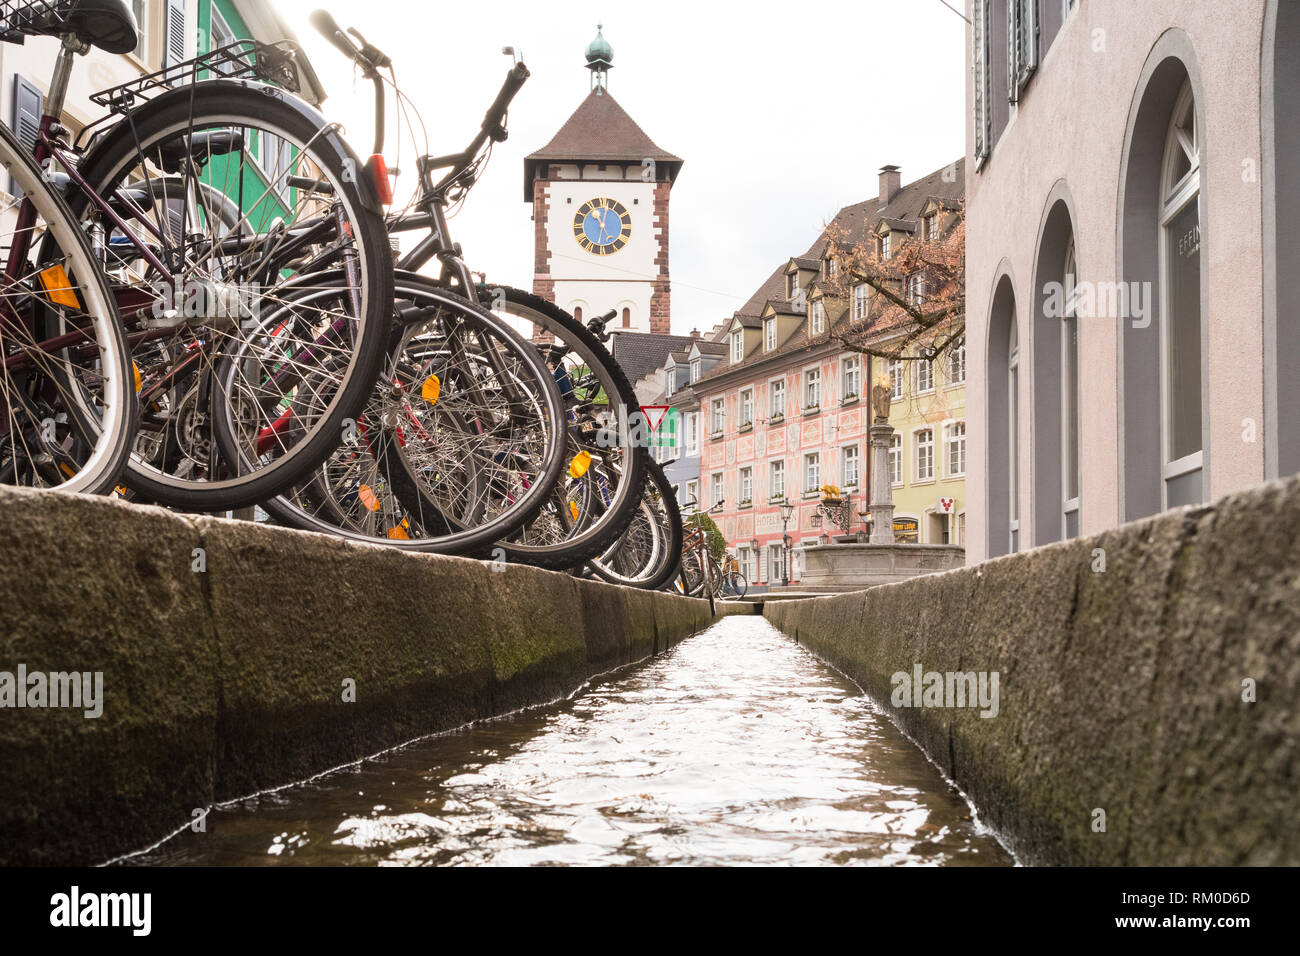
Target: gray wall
column 1120, row 690
column 225, row 682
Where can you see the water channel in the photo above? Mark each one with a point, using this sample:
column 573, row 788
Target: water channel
column 737, row 746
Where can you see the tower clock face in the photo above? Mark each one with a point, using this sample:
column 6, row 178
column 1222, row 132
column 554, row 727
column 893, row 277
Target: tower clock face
column 602, row 226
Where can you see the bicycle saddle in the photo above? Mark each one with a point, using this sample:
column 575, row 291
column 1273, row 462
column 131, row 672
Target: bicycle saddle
column 107, row 24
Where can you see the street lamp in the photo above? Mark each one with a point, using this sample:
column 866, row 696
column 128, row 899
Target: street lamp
column 753, row 549
column 787, row 509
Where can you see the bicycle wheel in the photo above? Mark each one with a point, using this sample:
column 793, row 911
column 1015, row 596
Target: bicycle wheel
column 608, row 456
column 738, row 584
column 652, row 571
column 460, row 444
column 69, row 406
column 252, row 203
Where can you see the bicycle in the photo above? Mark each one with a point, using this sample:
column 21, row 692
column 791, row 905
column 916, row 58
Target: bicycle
column 700, row 575
column 197, row 239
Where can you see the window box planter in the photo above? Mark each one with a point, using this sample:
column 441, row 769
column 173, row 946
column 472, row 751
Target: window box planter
column 776, row 419
column 776, row 499
column 715, row 436
column 811, row 409
column 849, row 399
column 810, row 495
column 747, row 427
column 747, row 503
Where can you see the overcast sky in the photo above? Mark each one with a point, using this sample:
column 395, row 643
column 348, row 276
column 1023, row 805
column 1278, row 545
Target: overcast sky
column 783, row 113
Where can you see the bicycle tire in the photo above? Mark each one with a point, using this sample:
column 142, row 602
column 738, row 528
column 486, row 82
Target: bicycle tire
column 596, row 538
column 213, row 102
column 108, row 434
column 670, row 525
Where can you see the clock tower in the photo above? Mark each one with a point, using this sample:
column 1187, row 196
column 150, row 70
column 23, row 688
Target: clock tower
column 600, row 192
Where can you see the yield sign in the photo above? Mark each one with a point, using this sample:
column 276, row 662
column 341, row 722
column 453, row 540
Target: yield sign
column 654, row 415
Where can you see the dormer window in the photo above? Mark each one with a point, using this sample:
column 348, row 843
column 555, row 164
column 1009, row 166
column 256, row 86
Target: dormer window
column 884, row 245
column 817, row 317
column 915, row 289
column 769, row 335
column 932, row 226
column 860, row 301
column 695, row 370
column 737, row 346
column 792, row 286
column 670, row 381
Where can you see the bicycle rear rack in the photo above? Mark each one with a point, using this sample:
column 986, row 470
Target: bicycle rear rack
column 244, row 59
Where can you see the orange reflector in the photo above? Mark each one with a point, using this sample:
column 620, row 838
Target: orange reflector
column 431, row 389
column 58, row 286
column 368, row 498
column 398, row 534
column 67, row 469
column 121, row 490
column 573, row 509
column 581, row 462
column 379, row 173
column 135, row 373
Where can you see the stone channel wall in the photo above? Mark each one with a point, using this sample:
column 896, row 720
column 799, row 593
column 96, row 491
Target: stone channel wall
column 1126, row 665
column 234, row 678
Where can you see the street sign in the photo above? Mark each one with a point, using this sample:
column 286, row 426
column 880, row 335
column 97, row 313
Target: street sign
column 662, row 423
column 946, row 505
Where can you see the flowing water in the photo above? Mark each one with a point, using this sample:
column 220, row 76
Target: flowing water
column 735, row 747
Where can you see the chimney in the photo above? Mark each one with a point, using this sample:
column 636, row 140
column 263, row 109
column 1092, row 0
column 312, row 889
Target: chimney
column 890, row 181
column 695, row 333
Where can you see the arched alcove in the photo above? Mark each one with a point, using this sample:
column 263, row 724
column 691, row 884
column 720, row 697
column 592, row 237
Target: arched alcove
column 1055, row 314
column 1002, row 378
column 1163, row 409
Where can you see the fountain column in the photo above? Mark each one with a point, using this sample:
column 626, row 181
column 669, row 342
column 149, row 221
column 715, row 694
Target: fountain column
column 882, row 484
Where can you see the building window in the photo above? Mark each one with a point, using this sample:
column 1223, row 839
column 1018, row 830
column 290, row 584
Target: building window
column 141, row 10
column 1070, row 400
column 746, row 407
column 915, row 289
column 895, row 379
column 696, row 365
column 719, row 422
column 715, row 489
column 932, row 226
column 860, row 300
column 769, row 335
column 812, row 389
column 1013, row 434
column 831, row 268
column 851, row 379
column 924, row 455
column 792, row 286
column 924, row 375
column 956, row 439
column 577, row 313
column 884, row 245
column 776, row 398
column 818, row 313
column 691, row 426
column 1181, row 319
column 693, row 493
column 896, row 460
column 812, row 472
column 849, row 466
column 737, row 346
column 776, row 480
column 746, row 485
column 627, row 317
column 1022, row 44
column 957, row 363
column 980, row 61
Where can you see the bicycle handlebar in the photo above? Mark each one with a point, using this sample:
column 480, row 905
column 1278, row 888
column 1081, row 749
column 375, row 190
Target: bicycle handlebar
column 491, row 128
column 367, row 56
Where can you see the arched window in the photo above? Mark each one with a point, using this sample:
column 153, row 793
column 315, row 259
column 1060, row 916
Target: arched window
column 627, row 317
column 577, row 312
column 1180, row 313
column 1070, row 398
column 1001, row 362
column 1013, row 442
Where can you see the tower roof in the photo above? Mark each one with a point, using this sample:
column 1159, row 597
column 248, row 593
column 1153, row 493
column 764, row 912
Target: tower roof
column 599, row 131
column 599, row 53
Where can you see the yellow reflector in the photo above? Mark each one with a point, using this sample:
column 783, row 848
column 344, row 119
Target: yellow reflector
column 121, row 490
column 135, row 371
column 431, row 389
column 581, row 462
column 398, row 533
column 67, row 469
column 58, row 286
column 573, row 509
column 368, row 498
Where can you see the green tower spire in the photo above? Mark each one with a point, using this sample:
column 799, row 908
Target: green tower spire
column 600, row 60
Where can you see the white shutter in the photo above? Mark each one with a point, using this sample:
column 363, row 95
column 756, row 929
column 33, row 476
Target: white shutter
column 174, row 34
column 980, row 37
